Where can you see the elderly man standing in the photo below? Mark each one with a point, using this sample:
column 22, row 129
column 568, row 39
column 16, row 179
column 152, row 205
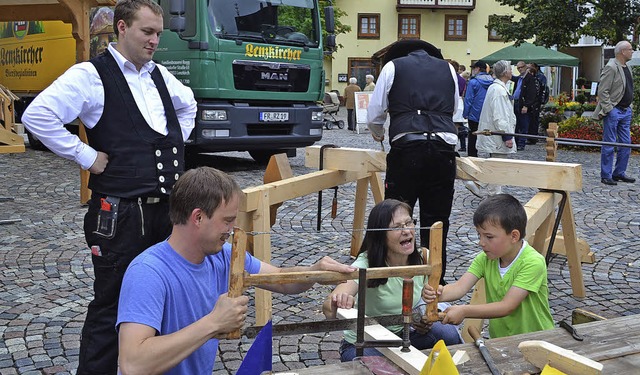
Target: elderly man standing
column 420, row 91
column 615, row 95
column 350, row 101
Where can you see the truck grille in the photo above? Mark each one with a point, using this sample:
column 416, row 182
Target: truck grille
column 270, row 76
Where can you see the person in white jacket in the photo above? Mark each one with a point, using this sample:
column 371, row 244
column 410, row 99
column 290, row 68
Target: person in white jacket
column 497, row 115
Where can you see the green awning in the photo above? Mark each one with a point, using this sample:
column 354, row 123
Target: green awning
column 530, row 53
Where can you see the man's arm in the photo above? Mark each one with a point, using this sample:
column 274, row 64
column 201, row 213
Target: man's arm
column 67, row 98
column 142, row 352
column 513, row 298
column 604, row 88
column 325, row 264
column 379, row 102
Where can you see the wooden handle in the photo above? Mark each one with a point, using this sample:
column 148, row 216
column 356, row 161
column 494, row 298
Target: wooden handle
column 474, row 333
column 407, row 297
column 332, row 277
column 435, row 261
column 236, row 273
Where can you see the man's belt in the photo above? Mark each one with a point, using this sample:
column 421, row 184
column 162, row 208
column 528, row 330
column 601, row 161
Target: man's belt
column 622, row 108
column 413, row 137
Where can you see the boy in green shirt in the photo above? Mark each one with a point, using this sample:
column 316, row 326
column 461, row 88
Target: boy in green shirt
column 515, row 274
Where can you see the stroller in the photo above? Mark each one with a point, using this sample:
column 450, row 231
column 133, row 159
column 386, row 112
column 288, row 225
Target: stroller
column 330, row 107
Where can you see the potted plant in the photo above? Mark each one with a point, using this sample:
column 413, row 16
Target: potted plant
column 588, row 108
column 570, row 108
column 580, row 82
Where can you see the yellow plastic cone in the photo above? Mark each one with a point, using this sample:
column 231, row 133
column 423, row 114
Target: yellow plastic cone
column 443, row 363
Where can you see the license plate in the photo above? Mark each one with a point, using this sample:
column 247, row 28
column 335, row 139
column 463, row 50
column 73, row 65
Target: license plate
column 274, row 116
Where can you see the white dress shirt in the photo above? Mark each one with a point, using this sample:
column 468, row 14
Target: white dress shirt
column 379, row 103
column 79, row 93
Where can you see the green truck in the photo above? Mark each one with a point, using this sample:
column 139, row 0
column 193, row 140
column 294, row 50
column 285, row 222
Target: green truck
column 255, row 67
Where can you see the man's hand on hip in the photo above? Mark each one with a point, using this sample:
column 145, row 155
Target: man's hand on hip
column 100, row 164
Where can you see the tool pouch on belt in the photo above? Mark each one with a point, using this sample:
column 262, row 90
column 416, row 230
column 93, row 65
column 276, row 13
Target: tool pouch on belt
column 107, row 217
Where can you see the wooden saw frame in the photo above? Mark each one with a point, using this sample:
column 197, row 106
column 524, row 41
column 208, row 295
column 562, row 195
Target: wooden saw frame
column 364, row 167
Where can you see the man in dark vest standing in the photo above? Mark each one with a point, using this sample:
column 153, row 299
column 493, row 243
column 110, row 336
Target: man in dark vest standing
column 137, row 116
column 420, row 91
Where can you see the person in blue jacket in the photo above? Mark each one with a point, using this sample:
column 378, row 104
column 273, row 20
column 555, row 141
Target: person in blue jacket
column 473, row 100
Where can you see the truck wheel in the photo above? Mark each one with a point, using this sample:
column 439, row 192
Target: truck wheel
column 35, row 142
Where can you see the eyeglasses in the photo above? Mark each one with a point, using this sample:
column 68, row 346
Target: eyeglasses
column 409, row 224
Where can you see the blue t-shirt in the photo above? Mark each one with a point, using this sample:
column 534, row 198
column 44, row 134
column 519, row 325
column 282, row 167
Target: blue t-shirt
column 164, row 291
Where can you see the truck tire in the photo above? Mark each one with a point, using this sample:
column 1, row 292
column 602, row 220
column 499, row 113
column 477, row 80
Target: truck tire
column 263, row 156
column 35, row 142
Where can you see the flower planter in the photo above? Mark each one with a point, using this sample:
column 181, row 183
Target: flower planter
column 569, row 114
column 587, row 114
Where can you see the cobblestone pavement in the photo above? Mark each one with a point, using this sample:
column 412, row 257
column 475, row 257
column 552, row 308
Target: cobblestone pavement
column 46, row 272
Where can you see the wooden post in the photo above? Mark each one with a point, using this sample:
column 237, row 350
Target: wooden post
column 236, row 272
column 552, row 146
column 359, row 214
column 435, row 261
column 262, row 251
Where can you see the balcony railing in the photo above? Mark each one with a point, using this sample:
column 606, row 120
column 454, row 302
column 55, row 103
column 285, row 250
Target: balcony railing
column 434, row 4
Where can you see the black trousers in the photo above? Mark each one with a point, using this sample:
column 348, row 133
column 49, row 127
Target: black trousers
column 471, row 147
column 350, row 119
column 138, row 227
column 424, row 171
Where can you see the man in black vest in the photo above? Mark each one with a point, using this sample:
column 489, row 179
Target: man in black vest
column 137, row 116
column 420, row 90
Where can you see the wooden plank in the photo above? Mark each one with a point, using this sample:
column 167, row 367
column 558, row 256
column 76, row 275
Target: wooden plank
column 525, row 173
column 435, row 261
column 277, row 169
column 298, row 186
column 236, row 271
column 262, row 251
column 377, row 187
column 334, row 277
column 538, row 209
column 411, row 362
column 542, row 353
column 357, row 235
column 348, row 159
column 608, row 338
column 579, row 316
column 584, row 250
column 570, row 242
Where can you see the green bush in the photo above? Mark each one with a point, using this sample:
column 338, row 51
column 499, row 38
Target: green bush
column 581, row 98
column 589, row 106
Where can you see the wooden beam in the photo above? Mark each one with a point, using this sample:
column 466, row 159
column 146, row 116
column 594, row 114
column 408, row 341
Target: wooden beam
column 262, row 251
column 524, row 173
column 348, row 159
column 278, row 169
column 411, row 362
column 44, row 12
column 584, row 250
column 298, row 186
column 541, row 353
column 359, row 214
column 478, row 297
column 570, row 241
column 328, row 277
column 539, row 208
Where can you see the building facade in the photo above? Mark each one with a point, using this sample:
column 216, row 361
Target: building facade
column 457, row 27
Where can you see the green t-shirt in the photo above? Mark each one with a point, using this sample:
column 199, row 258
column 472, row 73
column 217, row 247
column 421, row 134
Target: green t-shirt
column 528, row 272
column 385, row 299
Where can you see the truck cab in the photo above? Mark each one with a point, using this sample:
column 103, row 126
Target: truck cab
column 255, row 67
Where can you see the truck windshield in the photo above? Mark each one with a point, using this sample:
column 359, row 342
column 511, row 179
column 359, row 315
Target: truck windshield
column 288, row 22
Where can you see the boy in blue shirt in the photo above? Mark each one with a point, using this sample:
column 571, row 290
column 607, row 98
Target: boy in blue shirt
column 515, row 274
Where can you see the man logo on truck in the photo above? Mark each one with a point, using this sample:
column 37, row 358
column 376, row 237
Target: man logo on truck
column 274, row 76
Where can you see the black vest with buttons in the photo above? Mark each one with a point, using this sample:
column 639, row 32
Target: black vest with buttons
column 142, row 162
column 424, row 83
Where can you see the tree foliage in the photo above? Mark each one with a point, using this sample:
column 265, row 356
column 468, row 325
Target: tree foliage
column 300, row 20
column 562, row 22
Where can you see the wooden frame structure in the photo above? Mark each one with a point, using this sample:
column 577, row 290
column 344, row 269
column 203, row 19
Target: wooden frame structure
column 75, row 12
column 345, row 165
column 10, row 142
